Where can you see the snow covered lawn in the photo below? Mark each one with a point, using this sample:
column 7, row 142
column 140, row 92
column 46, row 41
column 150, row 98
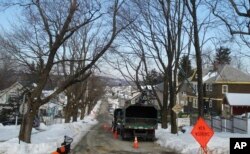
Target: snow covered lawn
column 46, row 141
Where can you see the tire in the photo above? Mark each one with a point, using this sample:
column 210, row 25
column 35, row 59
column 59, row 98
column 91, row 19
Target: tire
column 151, row 136
column 122, row 135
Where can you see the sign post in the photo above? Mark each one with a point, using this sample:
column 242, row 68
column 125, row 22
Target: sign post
column 177, row 108
column 23, row 108
column 202, row 133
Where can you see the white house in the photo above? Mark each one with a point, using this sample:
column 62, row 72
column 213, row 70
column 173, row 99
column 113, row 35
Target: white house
column 13, row 90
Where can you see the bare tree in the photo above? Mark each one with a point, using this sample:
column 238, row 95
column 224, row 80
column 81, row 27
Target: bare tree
column 156, row 35
column 192, row 8
column 128, row 64
column 76, row 53
column 47, row 25
column 235, row 16
column 95, row 91
column 165, row 34
column 82, row 47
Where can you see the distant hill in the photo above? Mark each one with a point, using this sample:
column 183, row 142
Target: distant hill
column 114, row 81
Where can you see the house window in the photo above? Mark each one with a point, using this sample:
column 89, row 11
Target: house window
column 195, row 88
column 224, row 89
column 210, row 103
column 209, row 87
column 186, row 103
column 195, row 103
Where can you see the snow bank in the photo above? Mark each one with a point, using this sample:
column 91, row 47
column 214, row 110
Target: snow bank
column 48, row 139
column 186, row 144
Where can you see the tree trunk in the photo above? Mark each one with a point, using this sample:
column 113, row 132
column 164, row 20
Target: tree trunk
column 26, row 128
column 172, row 99
column 91, row 105
column 67, row 116
column 164, row 113
column 89, row 108
column 164, row 117
column 68, row 110
column 83, row 109
column 75, row 111
column 198, row 60
column 82, row 114
column 27, row 122
column 173, row 122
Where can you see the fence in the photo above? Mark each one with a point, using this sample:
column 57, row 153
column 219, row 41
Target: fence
column 218, row 124
column 49, row 120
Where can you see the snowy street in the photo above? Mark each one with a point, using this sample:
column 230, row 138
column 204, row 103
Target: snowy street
column 100, row 140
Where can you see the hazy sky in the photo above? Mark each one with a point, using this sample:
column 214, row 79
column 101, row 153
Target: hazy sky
column 10, row 15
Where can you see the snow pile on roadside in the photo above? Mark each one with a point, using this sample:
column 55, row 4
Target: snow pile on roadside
column 9, row 132
column 181, row 143
column 185, row 143
column 49, row 139
column 114, row 102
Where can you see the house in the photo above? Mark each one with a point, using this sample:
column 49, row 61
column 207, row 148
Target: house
column 186, row 95
column 12, row 97
column 159, row 91
column 236, row 104
column 10, row 101
column 14, row 90
column 54, row 107
column 181, row 95
column 216, row 83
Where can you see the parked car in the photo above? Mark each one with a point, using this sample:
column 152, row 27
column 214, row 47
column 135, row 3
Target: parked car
column 12, row 122
column 36, row 122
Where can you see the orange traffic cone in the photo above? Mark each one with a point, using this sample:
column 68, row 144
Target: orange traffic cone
column 115, row 135
column 136, row 143
column 111, row 129
column 104, row 126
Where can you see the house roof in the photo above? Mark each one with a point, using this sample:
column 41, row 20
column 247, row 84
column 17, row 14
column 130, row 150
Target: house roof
column 225, row 74
column 238, row 99
column 159, row 87
column 20, row 85
column 16, row 84
column 205, row 71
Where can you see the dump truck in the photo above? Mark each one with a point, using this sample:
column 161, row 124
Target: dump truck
column 139, row 119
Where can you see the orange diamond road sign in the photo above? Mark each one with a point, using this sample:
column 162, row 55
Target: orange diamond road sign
column 202, row 132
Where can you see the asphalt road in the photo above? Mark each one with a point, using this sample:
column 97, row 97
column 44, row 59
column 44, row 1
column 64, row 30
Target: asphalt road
column 100, row 140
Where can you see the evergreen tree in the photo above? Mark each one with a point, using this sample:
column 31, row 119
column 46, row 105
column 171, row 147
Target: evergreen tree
column 153, row 78
column 185, row 69
column 222, row 56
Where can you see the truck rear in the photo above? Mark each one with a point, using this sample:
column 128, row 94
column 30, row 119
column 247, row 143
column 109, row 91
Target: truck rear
column 139, row 120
